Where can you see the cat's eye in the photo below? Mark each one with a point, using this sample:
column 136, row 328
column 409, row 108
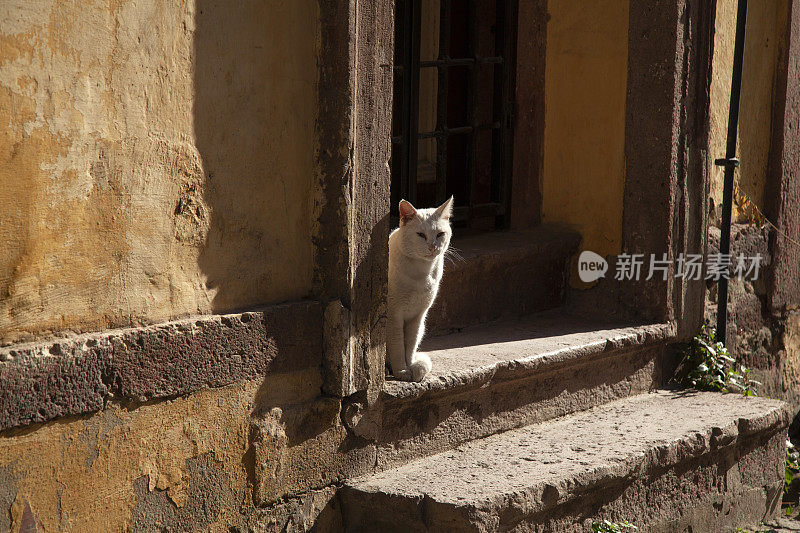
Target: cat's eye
column 422, row 235
column 440, row 235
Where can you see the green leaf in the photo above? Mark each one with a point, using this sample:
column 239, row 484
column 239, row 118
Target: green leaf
column 708, row 365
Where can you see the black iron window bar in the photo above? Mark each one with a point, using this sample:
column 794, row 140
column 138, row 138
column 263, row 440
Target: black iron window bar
column 730, row 162
column 405, row 144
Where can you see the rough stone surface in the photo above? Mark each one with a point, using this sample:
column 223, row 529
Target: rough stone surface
column 665, row 460
column 337, row 354
column 495, row 377
column 747, row 297
column 352, row 228
column 534, row 267
column 747, row 240
column 778, row 525
column 368, row 216
column 670, row 47
column 782, row 205
column 526, row 198
column 316, row 510
column 691, row 200
column 514, row 347
column 764, row 340
column 42, row 381
column 301, row 447
column 652, row 118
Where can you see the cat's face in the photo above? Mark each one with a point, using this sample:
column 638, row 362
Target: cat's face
column 425, row 233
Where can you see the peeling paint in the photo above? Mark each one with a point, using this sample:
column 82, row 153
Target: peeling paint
column 208, row 492
column 8, row 493
column 197, row 459
column 86, row 474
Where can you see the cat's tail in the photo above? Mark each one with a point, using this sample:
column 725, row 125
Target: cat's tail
column 420, row 366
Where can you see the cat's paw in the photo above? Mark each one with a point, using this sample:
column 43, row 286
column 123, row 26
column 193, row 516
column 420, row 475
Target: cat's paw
column 404, row 375
column 420, row 367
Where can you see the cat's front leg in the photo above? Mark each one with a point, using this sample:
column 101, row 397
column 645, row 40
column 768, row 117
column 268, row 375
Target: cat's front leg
column 419, row 364
column 395, row 348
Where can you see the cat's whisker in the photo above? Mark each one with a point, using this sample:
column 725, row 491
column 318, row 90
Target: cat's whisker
column 453, row 255
column 453, row 249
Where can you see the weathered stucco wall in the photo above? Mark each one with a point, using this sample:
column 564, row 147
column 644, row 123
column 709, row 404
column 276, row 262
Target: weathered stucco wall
column 584, row 133
column 199, row 462
column 765, row 23
column 156, row 160
column 128, row 457
column 161, row 159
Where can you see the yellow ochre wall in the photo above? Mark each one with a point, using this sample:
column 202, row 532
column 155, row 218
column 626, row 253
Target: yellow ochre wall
column 156, row 159
column 97, row 474
column 765, row 22
column 584, row 133
column 585, row 90
column 179, row 465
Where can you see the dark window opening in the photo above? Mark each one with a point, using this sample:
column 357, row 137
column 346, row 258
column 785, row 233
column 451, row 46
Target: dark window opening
column 453, row 104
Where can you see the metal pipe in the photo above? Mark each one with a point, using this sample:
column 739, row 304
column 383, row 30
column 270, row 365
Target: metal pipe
column 730, row 162
column 442, row 89
column 472, row 100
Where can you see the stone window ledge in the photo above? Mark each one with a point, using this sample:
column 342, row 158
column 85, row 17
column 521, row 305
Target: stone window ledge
column 514, row 349
column 77, row 375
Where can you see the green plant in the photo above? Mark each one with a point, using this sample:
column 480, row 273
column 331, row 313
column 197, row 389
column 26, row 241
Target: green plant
column 606, row 526
column 792, row 465
column 707, row 365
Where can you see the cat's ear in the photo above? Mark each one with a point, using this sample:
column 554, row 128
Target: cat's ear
column 445, row 211
column 407, row 212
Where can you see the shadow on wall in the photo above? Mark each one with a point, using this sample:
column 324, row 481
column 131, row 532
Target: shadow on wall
column 254, row 116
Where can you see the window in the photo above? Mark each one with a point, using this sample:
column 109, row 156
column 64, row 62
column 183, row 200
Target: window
column 453, row 105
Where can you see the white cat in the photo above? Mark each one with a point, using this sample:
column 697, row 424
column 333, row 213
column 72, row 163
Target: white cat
column 416, row 260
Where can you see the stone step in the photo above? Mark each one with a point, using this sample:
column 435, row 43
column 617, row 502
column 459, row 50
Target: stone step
column 533, row 266
column 665, row 461
column 507, row 374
